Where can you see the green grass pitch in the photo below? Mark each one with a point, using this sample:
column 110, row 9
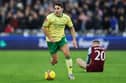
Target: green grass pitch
column 29, row 67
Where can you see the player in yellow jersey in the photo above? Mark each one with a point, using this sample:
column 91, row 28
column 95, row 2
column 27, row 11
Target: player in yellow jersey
column 54, row 27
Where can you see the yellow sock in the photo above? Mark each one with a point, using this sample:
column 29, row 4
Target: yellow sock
column 69, row 65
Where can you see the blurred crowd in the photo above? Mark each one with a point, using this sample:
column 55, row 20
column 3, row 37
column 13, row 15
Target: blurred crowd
column 101, row 16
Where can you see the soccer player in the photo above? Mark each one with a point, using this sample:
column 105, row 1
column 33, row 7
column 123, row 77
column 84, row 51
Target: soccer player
column 53, row 28
column 95, row 58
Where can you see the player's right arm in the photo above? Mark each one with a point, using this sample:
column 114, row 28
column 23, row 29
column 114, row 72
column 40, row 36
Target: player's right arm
column 72, row 31
column 45, row 29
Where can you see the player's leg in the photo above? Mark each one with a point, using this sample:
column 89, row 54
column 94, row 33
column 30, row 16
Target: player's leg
column 54, row 59
column 81, row 63
column 65, row 50
column 53, row 48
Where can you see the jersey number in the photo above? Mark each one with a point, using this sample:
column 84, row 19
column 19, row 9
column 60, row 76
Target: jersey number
column 100, row 55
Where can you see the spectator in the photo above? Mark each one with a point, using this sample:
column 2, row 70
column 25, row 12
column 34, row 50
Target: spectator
column 9, row 29
column 86, row 14
column 114, row 25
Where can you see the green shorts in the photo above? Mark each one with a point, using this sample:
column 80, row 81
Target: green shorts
column 54, row 47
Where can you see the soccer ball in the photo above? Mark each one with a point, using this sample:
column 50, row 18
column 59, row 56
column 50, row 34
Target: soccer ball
column 50, row 75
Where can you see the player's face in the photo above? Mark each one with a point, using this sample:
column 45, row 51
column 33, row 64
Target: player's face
column 58, row 10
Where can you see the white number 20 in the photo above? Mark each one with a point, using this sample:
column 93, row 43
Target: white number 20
column 100, row 55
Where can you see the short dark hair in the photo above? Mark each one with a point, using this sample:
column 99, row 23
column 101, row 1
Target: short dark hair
column 96, row 41
column 59, row 4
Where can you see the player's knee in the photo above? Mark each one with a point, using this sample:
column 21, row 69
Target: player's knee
column 66, row 53
column 54, row 61
column 78, row 60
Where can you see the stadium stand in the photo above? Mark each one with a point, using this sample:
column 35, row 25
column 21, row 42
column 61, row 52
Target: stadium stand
column 106, row 17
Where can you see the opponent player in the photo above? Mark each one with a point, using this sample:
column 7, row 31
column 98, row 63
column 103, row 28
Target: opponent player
column 95, row 58
column 54, row 27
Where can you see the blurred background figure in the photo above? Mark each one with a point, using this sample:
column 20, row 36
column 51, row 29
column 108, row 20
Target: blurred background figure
column 106, row 17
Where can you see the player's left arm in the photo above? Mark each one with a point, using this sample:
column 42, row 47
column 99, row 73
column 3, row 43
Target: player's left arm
column 72, row 30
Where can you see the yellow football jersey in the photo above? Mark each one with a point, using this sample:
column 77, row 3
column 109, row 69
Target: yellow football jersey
column 56, row 25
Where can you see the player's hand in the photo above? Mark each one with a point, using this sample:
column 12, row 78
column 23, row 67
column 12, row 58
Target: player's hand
column 52, row 40
column 75, row 43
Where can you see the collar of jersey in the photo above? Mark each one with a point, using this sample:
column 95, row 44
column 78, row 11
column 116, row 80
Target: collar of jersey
column 58, row 16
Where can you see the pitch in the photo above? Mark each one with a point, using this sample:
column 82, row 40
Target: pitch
column 29, row 67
